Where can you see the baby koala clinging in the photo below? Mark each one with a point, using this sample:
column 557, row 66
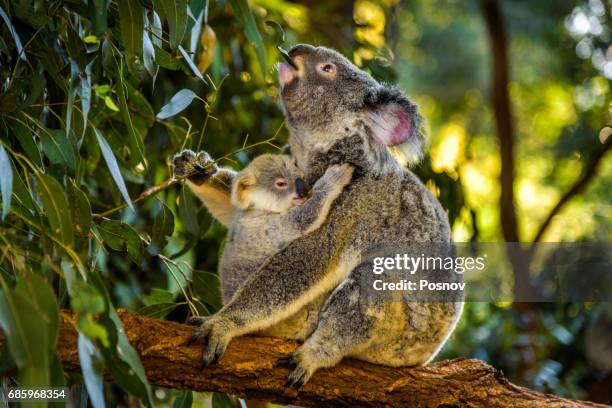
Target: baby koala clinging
column 273, row 206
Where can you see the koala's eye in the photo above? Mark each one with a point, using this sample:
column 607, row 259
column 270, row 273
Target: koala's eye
column 327, row 69
column 281, row 183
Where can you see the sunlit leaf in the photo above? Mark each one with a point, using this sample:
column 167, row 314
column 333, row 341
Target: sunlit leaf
column 108, row 101
column 132, row 25
column 243, row 12
column 208, row 41
column 111, row 161
column 177, row 103
column 6, row 181
column 54, row 201
column 92, row 366
column 175, row 13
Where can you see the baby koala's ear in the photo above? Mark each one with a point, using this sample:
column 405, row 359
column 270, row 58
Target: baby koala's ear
column 240, row 190
column 394, row 122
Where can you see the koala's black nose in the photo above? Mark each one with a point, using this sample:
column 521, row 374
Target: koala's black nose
column 301, row 188
column 301, row 49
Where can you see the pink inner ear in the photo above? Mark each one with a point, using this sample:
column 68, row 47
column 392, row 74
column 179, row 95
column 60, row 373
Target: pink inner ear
column 402, row 129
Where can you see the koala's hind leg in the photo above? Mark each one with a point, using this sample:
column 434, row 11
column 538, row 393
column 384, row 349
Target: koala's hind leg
column 343, row 329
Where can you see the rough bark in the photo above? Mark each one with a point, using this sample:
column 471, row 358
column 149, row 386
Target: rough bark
column 248, row 370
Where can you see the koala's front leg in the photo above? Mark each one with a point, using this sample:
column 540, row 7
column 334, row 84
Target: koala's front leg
column 209, row 182
column 285, row 283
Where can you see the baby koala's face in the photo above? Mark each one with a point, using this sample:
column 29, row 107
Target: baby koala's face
column 270, row 183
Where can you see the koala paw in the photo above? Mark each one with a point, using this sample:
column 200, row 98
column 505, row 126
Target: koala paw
column 216, row 334
column 197, row 167
column 301, row 372
column 335, row 178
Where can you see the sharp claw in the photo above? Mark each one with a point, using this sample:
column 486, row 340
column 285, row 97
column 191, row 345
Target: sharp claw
column 298, row 384
column 199, row 168
column 194, row 337
column 194, row 321
column 286, row 361
column 288, row 383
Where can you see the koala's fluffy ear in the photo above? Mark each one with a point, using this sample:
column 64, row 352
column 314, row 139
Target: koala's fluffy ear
column 395, row 122
column 240, row 190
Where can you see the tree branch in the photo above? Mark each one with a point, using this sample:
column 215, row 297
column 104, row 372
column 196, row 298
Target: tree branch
column 248, row 370
column 502, row 108
column 579, row 185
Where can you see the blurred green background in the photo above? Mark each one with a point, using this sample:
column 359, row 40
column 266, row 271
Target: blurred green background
column 82, row 87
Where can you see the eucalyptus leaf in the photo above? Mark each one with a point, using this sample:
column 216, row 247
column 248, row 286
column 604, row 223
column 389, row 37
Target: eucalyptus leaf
column 207, row 288
column 177, row 103
column 220, row 400
column 183, row 400
column 132, row 25
column 98, row 15
column 187, row 211
column 158, row 296
column 175, row 13
column 158, row 310
column 121, row 237
column 56, row 207
column 111, row 161
column 243, row 12
column 92, row 366
column 163, row 227
column 13, row 33
column 25, row 136
column 57, row 147
column 190, row 63
column 6, row 181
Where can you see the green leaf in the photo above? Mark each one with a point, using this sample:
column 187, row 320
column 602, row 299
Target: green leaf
column 31, row 340
column 187, row 211
column 26, row 139
column 92, row 366
column 80, row 207
column 177, row 103
column 132, row 25
column 190, row 63
column 158, row 296
column 135, row 140
column 175, row 12
column 207, row 288
column 108, row 101
column 98, row 16
column 243, row 12
column 165, row 59
column 163, row 227
column 121, row 359
column 121, row 237
column 6, row 181
column 13, row 32
column 220, row 400
column 56, row 207
column 158, row 310
column 111, row 161
column 183, row 400
column 57, row 147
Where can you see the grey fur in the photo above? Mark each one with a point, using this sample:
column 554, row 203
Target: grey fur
column 384, row 209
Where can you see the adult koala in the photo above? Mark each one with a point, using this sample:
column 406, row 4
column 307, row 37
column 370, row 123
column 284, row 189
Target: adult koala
column 337, row 113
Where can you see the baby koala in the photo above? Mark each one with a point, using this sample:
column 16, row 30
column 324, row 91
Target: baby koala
column 273, row 206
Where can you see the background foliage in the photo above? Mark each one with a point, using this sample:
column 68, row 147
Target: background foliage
column 96, row 96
